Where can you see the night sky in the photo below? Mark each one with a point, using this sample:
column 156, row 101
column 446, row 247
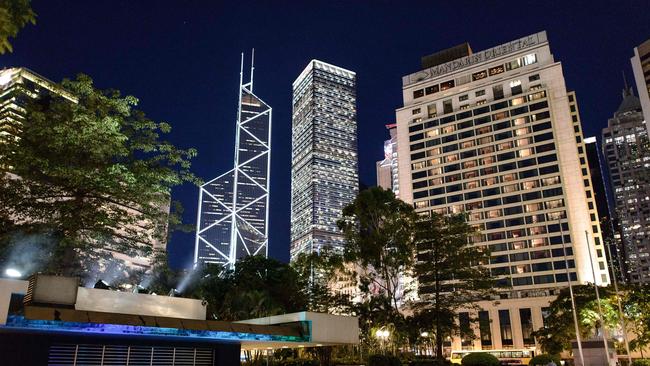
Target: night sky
column 182, row 60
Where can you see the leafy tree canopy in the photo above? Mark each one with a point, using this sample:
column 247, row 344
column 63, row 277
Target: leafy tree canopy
column 89, row 176
column 14, row 15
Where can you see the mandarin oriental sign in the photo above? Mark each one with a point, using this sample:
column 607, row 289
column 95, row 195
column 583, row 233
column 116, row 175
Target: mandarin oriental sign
column 476, row 58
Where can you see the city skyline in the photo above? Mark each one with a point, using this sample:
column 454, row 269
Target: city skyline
column 191, row 99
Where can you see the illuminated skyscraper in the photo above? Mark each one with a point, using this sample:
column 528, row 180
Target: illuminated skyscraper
column 324, row 172
column 497, row 135
column 625, row 146
column 233, row 208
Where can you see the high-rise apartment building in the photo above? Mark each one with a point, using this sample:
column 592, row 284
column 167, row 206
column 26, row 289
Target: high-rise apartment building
column 324, row 167
column 496, row 134
column 627, row 153
column 17, row 87
column 641, row 68
column 234, row 207
column 387, row 172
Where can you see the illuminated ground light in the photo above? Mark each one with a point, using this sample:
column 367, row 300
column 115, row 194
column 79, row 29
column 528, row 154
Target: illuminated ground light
column 20, row 322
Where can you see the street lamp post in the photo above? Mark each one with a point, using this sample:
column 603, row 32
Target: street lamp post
column 382, row 334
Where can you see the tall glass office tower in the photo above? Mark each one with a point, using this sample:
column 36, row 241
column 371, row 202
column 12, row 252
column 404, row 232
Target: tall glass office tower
column 233, row 208
column 324, row 168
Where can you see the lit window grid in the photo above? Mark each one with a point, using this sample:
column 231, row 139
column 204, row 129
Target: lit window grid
column 232, row 220
column 324, row 159
column 504, row 184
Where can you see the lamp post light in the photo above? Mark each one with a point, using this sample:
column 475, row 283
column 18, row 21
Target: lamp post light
column 382, row 334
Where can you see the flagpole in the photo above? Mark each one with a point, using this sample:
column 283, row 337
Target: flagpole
column 620, row 307
column 600, row 310
column 573, row 302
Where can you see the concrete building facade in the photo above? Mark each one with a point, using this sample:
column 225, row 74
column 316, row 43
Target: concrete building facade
column 324, row 162
column 496, row 134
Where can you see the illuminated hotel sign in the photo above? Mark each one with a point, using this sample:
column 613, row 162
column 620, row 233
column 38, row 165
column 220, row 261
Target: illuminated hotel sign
column 476, row 58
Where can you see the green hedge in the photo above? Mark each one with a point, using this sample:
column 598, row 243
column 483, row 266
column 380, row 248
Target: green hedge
column 297, row 362
column 644, row 362
column 480, row 359
column 430, row 362
column 383, row 360
column 543, row 360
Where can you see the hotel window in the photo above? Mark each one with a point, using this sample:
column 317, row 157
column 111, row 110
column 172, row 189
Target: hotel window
column 466, row 332
column 510, row 177
column 464, row 107
column 524, row 141
column 522, row 131
column 479, row 75
column 535, row 96
column 431, row 89
column 484, row 129
column 510, row 188
column 472, row 184
column 446, row 85
column 525, row 152
column 487, row 160
column 481, row 102
column 497, row 92
column 529, row 59
column 500, row 115
column 449, row 129
column 514, row 64
column 517, row 101
column 433, row 132
column 418, row 93
column 484, row 329
column 505, row 146
column 491, row 214
column 520, row 121
column 496, row 70
column 539, row 242
column 463, row 98
column 532, row 207
column 479, row 93
column 506, row 328
column 467, row 144
column 447, row 107
column 533, row 77
column 435, row 181
column 527, row 327
column 431, row 110
column 416, row 111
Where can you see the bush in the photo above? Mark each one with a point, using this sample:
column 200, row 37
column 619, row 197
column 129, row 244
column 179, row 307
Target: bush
column 297, row 362
column 543, row 360
column 430, row 362
column 383, row 360
column 643, row 362
column 480, row 359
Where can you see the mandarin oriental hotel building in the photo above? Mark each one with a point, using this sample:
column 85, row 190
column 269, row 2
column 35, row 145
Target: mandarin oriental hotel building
column 496, row 134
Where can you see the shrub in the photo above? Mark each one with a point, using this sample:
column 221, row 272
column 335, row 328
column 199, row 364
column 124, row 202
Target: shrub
column 543, row 360
column 383, row 360
column 430, row 362
column 298, row 362
column 643, row 362
column 480, row 359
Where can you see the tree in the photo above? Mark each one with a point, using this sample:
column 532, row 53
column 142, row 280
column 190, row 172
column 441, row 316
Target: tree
column 318, row 273
column 637, row 311
column 257, row 287
column 378, row 229
column 450, row 270
column 90, row 176
column 14, row 15
column 559, row 328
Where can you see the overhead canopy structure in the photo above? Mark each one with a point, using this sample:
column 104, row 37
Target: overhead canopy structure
column 55, row 314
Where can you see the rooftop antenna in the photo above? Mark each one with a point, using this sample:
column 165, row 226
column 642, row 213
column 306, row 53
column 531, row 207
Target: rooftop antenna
column 252, row 67
column 241, row 70
column 627, row 91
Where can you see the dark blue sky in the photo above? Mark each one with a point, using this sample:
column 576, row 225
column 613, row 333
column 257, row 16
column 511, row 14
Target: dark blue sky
column 182, row 60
